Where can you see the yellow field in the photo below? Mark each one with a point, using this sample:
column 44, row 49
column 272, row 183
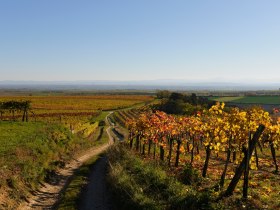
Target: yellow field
column 96, row 102
column 72, row 111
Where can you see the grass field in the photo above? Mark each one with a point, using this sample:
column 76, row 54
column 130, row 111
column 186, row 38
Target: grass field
column 28, row 153
column 250, row 99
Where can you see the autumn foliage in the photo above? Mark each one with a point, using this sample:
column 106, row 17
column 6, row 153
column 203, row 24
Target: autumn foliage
column 237, row 134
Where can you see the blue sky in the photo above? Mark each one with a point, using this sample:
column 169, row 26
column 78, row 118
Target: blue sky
column 210, row 40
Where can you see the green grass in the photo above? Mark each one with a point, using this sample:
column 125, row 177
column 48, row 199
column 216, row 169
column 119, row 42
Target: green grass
column 250, row 99
column 137, row 184
column 101, row 116
column 71, row 196
column 100, row 137
column 226, row 99
column 259, row 99
column 141, row 104
column 29, row 152
column 98, row 133
column 147, row 184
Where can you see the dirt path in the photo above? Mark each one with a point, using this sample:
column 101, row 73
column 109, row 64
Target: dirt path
column 95, row 195
column 48, row 195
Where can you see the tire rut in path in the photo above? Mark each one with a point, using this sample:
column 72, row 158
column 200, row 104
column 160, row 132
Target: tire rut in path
column 48, row 195
column 96, row 195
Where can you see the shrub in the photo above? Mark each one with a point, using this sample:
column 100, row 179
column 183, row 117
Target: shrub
column 190, row 175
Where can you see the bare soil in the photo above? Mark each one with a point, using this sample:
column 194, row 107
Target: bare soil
column 96, row 194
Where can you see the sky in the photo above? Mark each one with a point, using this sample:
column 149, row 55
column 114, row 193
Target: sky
column 201, row 40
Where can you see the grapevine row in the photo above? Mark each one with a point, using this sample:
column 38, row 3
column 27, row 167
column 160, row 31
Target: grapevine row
column 234, row 133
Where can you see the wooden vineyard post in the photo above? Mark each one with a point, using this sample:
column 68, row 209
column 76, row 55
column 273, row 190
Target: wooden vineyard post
column 205, row 167
column 161, row 153
column 241, row 167
column 130, row 140
column 246, row 171
column 272, row 149
column 178, row 153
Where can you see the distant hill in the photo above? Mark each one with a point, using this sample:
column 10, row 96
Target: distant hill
column 137, row 85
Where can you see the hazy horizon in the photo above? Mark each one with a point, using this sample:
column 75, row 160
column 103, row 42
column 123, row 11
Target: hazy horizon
column 175, row 85
column 155, row 81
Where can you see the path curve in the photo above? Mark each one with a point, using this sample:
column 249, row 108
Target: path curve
column 96, row 195
column 48, row 195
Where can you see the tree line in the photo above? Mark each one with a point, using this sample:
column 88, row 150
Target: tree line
column 14, row 107
column 179, row 103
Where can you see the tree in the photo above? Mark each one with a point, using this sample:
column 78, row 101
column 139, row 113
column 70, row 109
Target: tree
column 193, row 99
column 25, row 106
column 177, row 96
column 163, row 94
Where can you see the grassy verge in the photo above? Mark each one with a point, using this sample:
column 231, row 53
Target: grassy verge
column 98, row 136
column 70, row 197
column 100, row 117
column 141, row 104
column 137, row 184
column 29, row 153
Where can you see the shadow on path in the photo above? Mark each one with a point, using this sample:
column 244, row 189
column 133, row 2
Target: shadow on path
column 96, row 194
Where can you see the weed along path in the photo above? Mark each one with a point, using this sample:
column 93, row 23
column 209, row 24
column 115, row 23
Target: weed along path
column 47, row 197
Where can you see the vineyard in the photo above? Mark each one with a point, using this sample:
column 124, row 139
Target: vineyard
column 225, row 146
column 74, row 112
column 121, row 117
column 95, row 102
